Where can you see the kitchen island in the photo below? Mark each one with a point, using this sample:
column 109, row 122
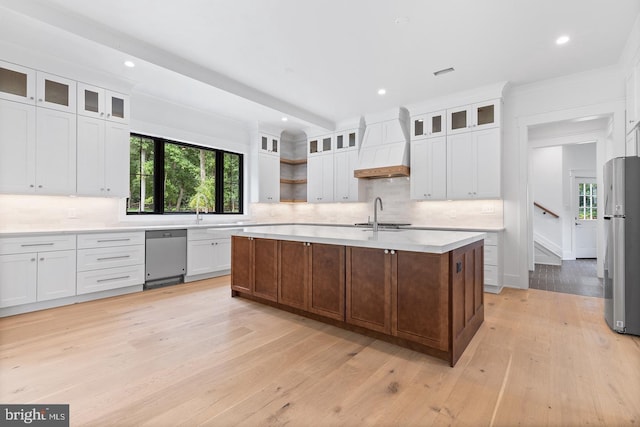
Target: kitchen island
column 421, row 289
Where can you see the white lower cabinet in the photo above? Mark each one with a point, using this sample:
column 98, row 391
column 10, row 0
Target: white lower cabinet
column 492, row 262
column 34, row 269
column 207, row 253
column 110, row 261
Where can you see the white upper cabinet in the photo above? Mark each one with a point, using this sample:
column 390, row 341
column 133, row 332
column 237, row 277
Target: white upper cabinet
column 430, row 125
column 347, row 140
column 429, row 169
column 345, row 184
column 17, row 83
column 101, row 103
column 483, row 115
column 103, row 158
column 17, row 147
column 320, row 178
column 322, row 144
column 270, row 144
column 55, row 164
column 269, row 178
column 55, row 92
column 473, row 165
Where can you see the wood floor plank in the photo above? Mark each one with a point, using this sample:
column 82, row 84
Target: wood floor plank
column 192, row 355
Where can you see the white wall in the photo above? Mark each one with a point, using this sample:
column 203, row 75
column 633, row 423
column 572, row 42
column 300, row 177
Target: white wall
column 547, row 175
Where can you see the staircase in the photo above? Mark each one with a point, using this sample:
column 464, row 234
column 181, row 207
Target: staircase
column 545, row 251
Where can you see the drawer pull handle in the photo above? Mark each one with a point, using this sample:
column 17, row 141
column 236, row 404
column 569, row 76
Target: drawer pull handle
column 113, row 278
column 37, row 244
column 114, row 257
column 113, row 240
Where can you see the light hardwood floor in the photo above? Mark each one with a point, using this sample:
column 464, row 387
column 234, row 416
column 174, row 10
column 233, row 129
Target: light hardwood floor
column 190, row 355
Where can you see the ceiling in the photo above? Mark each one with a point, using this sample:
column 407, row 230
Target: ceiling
column 322, row 62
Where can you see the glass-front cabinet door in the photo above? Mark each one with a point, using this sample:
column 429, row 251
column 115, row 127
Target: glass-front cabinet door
column 91, row 101
column 321, row 144
column 55, row 92
column 429, row 125
column 482, row 115
column 269, row 144
column 346, row 139
column 117, row 107
column 17, row 83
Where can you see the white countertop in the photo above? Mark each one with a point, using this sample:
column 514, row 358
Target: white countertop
column 432, row 241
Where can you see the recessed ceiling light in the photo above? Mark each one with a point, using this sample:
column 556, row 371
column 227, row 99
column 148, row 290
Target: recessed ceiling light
column 284, row 119
column 401, row 20
column 129, row 64
column 443, row 71
column 382, row 91
column 562, row 40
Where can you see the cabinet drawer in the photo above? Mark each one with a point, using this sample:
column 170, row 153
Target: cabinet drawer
column 96, row 258
column 104, row 240
column 210, row 233
column 490, row 255
column 491, row 239
column 491, row 274
column 21, row 245
column 112, row 278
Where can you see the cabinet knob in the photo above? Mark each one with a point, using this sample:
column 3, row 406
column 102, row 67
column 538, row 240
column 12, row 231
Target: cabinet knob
column 41, row 259
column 386, row 251
column 102, row 189
column 33, row 259
column 40, row 100
column 108, row 115
column 101, row 114
column 31, row 186
column 630, row 121
column 393, row 252
column 108, row 189
column 39, row 186
column 31, row 98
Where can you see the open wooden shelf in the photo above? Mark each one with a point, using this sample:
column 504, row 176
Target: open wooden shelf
column 293, row 162
column 292, row 181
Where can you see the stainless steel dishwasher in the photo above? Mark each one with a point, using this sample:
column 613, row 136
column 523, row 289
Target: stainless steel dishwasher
column 166, row 257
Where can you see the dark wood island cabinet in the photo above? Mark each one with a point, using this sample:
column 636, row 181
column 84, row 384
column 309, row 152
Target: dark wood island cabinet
column 429, row 302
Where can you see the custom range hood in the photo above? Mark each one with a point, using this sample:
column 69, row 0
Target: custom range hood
column 384, row 152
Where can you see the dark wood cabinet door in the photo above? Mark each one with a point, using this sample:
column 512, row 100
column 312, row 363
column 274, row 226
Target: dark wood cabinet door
column 293, row 274
column 242, row 264
column 326, row 284
column 265, row 274
column 368, row 288
column 420, row 298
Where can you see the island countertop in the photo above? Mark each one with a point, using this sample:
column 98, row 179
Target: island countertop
column 431, row 241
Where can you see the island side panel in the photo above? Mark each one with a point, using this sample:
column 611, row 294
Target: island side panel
column 368, row 288
column 327, row 280
column 293, row 274
column 467, row 298
column 241, row 265
column 420, row 299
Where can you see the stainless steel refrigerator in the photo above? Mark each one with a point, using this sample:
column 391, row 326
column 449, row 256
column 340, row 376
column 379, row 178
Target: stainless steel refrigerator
column 622, row 236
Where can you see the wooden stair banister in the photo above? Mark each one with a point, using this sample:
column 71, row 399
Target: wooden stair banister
column 545, row 210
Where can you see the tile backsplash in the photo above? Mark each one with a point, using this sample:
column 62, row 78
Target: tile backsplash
column 24, row 213
column 397, row 208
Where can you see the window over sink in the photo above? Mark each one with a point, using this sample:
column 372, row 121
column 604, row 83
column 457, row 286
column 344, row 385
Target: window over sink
column 170, row 177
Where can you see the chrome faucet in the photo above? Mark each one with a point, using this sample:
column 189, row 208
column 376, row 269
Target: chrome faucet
column 375, row 212
column 199, row 197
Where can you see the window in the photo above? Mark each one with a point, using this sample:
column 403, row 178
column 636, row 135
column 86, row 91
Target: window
column 173, row 177
column 587, row 201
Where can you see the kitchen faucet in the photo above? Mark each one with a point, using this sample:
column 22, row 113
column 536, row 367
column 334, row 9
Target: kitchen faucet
column 199, row 197
column 375, row 212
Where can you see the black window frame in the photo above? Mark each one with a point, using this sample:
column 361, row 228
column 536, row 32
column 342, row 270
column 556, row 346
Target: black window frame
column 158, row 177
